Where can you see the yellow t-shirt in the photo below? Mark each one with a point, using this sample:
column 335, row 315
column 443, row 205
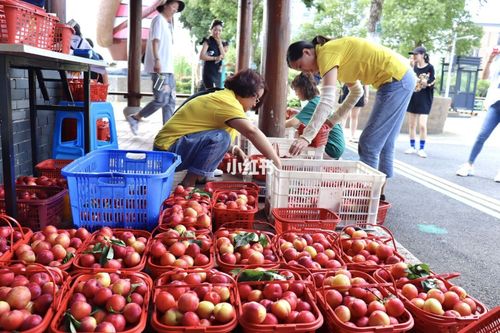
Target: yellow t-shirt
column 360, row 59
column 203, row 113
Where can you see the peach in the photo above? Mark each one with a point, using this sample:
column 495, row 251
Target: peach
column 253, row 312
column 188, row 302
column 378, row 318
column 224, row 312
column 281, row 309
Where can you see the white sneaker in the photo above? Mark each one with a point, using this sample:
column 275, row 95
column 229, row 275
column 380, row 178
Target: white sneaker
column 422, row 153
column 218, row 172
column 410, row 150
column 134, row 124
column 497, row 177
column 466, row 170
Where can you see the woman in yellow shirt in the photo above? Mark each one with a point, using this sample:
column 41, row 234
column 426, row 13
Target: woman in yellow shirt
column 356, row 61
column 202, row 130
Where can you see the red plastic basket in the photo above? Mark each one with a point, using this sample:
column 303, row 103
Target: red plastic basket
column 298, row 219
column 158, row 269
column 221, row 216
column 335, row 325
column 162, row 283
column 98, row 91
column 23, row 23
column 57, row 322
column 383, row 207
column 489, row 323
column 13, row 225
column 258, row 227
column 321, row 138
column 62, row 38
column 103, row 131
column 51, row 168
column 55, row 276
column 386, row 238
column 309, row 296
column 116, row 231
column 38, row 213
column 212, row 187
column 426, row 322
column 256, row 167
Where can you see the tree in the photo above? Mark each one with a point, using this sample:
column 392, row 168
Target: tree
column 375, row 15
column 408, row 23
column 336, row 18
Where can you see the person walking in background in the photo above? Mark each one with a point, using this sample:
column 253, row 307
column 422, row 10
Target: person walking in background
column 350, row 60
column 159, row 61
column 354, row 114
column 421, row 100
column 492, row 103
column 305, row 88
column 212, row 53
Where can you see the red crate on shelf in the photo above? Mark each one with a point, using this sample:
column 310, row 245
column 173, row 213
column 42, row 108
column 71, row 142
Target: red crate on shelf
column 51, row 168
column 23, row 23
column 98, row 91
column 298, row 219
column 37, row 212
column 62, row 38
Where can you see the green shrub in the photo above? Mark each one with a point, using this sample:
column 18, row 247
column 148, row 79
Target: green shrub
column 293, row 103
column 482, row 88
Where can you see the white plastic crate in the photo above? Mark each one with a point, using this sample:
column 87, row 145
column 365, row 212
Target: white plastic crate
column 283, row 147
column 350, row 188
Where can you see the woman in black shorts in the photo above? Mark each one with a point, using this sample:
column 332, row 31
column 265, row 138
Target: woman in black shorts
column 212, row 54
column 421, row 101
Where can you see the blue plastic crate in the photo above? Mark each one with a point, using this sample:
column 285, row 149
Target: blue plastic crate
column 120, row 188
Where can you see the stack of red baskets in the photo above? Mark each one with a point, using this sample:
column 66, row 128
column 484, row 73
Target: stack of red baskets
column 23, row 23
column 62, row 38
column 98, row 91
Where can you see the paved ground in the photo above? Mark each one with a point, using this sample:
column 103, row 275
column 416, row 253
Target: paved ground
column 450, row 222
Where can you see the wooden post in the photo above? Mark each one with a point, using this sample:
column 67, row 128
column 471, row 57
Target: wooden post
column 58, row 7
column 134, row 53
column 275, row 69
column 244, row 34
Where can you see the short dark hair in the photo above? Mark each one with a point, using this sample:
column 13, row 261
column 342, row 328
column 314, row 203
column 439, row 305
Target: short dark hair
column 246, row 83
column 294, row 51
column 307, row 85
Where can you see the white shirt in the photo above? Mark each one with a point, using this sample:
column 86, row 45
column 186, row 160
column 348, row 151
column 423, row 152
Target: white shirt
column 493, row 94
column 77, row 42
column 162, row 30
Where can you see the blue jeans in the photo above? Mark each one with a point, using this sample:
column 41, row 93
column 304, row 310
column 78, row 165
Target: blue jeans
column 201, row 152
column 490, row 122
column 164, row 97
column 376, row 143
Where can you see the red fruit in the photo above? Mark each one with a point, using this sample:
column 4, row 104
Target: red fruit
column 18, row 297
column 305, row 317
column 188, row 302
column 30, row 322
column 394, row 307
column 80, row 310
column 253, row 312
column 116, row 303
column 272, row 291
column 164, row 301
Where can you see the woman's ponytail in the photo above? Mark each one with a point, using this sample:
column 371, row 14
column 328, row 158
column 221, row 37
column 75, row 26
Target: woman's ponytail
column 320, row 40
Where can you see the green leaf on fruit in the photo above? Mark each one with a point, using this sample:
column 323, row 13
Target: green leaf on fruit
column 418, row 271
column 96, row 249
column 105, row 253
column 133, row 287
column 68, row 257
column 257, row 275
column 118, row 242
column 430, row 284
column 263, row 240
column 245, row 238
column 73, row 324
column 195, row 241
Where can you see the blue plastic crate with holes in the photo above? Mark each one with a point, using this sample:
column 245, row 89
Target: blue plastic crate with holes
column 120, row 188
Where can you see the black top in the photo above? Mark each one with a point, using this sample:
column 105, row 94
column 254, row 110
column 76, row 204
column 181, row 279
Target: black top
column 421, row 101
column 345, row 90
column 211, row 67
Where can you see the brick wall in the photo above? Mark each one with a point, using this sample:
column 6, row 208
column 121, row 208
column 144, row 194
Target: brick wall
column 21, row 121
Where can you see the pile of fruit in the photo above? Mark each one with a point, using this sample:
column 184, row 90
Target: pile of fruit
column 238, row 247
column 105, row 302
column 114, row 249
column 314, row 251
column 276, row 297
column 195, row 298
column 171, row 249
column 52, row 247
